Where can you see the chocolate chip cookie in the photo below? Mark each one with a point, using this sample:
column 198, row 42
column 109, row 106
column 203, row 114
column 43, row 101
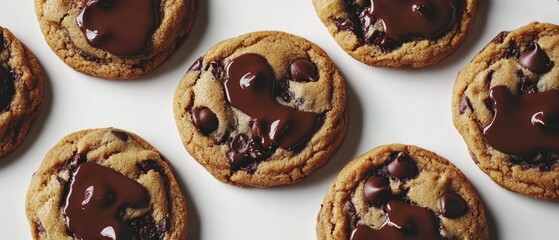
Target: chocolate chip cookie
column 21, row 91
column 263, row 109
column 105, row 183
column 506, row 106
column 115, row 39
column 398, row 33
column 401, row 192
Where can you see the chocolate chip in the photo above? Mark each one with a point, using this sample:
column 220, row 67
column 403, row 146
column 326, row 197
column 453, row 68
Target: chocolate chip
column 512, row 50
column 217, row 69
column 500, row 37
column 489, row 105
column 464, row 104
column 535, row 59
column 282, row 90
column 145, row 228
column 402, row 166
column 245, row 151
column 377, row 191
column 120, row 134
column 7, row 88
column 41, row 229
column 303, row 70
column 344, row 24
column 149, row 165
column 197, row 65
column 527, row 86
column 205, row 120
column 452, row 205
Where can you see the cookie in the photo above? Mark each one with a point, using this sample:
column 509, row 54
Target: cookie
column 21, row 91
column 105, row 182
column 95, row 37
column 398, row 33
column 401, row 192
column 263, row 109
column 505, row 105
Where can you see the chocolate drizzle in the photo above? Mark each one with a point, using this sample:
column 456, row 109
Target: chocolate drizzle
column 107, row 24
column 250, row 87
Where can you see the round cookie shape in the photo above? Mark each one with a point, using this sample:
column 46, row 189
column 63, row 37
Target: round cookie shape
column 115, row 39
column 505, row 105
column 105, row 182
column 263, row 109
column 21, row 91
column 398, row 33
column 432, row 200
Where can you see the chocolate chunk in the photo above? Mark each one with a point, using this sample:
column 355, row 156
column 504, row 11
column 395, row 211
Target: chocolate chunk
column 452, row 205
column 525, row 124
column 464, row 104
column 405, row 20
column 197, row 65
column 489, row 105
column 120, row 135
column 276, row 125
column 377, row 191
column 205, row 120
column 403, row 166
column 303, row 70
column 385, row 43
column 500, row 37
column 106, row 24
column 97, row 197
column 404, row 221
column 7, row 88
column 535, row 59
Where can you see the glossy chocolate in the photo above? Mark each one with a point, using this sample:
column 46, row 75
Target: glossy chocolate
column 7, row 88
column 205, row 120
column 249, row 87
column 403, row 166
column 452, row 205
column 525, row 124
column 405, row 222
column 197, row 65
column 535, row 59
column 303, row 70
column 121, row 27
column 96, row 199
column 407, row 19
column 377, row 191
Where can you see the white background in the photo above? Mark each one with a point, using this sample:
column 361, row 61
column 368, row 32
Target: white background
column 386, row 106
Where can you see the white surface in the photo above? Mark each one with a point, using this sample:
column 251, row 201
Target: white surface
column 386, row 106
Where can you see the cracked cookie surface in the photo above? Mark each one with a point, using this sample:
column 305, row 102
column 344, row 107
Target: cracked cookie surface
column 401, row 192
column 85, row 39
column 263, row 109
column 105, row 182
column 505, row 104
column 21, row 91
column 398, row 34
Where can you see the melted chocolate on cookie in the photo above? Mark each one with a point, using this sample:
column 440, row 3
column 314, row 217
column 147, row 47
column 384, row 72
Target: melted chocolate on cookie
column 250, row 87
column 535, row 59
column 526, row 124
column 406, row 221
column 122, row 27
column 96, row 199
